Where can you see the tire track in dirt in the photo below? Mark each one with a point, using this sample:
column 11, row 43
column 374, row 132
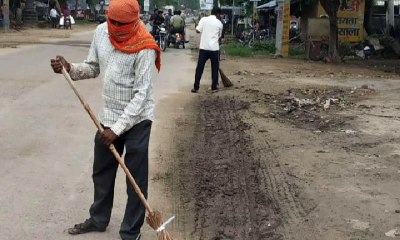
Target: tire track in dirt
column 221, row 180
column 282, row 191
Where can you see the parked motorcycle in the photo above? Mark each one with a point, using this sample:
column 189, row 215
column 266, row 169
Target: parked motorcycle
column 263, row 34
column 248, row 38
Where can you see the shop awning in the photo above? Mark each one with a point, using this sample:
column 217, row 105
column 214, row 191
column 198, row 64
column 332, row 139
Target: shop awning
column 270, row 4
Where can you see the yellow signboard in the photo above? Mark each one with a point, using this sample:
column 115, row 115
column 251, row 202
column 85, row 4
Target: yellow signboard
column 286, row 28
column 350, row 20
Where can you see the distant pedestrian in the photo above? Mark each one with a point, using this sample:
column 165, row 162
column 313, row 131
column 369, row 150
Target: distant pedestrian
column 211, row 31
column 5, row 11
column 66, row 11
column 168, row 19
column 54, row 17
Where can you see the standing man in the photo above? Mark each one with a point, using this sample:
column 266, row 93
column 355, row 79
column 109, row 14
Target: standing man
column 54, row 17
column 211, row 31
column 125, row 51
column 6, row 17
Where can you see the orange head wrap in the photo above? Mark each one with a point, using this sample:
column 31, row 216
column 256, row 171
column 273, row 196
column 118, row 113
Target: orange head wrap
column 124, row 11
column 131, row 37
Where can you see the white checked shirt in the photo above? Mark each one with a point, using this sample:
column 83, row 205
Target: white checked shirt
column 211, row 30
column 127, row 83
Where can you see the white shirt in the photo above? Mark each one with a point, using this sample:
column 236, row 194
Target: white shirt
column 211, row 30
column 127, row 83
column 53, row 13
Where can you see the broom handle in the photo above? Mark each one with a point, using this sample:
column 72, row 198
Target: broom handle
column 112, row 148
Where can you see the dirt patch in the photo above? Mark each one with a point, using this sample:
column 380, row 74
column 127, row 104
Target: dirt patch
column 271, row 159
column 221, row 178
column 317, row 108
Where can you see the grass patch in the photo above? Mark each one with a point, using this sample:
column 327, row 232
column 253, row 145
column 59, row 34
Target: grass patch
column 258, row 49
column 266, row 48
column 85, row 22
column 237, row 50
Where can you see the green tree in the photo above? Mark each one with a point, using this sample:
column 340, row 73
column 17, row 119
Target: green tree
column 92, row 3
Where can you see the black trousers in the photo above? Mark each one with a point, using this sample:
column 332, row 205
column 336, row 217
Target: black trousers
column 136, row 142
column 204, row 55
column 54, row 22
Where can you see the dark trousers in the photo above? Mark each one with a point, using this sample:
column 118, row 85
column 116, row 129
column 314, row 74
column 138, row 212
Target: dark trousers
column 204, row 55
column 136, row 142
column 54, row 22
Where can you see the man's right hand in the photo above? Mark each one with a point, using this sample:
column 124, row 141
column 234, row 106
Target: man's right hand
column 58, row 63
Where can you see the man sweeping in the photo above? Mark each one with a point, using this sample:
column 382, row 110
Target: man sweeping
column 126, row 53
column 211, row 31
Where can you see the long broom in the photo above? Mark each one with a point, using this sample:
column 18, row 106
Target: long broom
column 153, row 218
column 224, row 79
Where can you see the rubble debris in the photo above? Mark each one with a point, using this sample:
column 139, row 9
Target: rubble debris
column 349, row 131
column 313, row 108
column 327, row 104
column 392, row 233
column 358, row 225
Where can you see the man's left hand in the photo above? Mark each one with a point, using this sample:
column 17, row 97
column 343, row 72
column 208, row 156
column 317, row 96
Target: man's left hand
column 107, row 137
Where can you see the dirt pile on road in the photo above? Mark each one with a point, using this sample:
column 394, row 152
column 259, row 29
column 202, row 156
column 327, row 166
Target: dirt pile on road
column 312, row 108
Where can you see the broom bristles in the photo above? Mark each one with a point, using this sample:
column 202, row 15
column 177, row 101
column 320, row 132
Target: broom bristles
column 164, row 235
column 225, row 80
column 154, row 219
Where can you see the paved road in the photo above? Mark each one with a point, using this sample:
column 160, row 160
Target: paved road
column 46, row 140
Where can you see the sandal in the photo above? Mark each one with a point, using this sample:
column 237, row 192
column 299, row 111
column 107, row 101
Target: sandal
column 87, row 226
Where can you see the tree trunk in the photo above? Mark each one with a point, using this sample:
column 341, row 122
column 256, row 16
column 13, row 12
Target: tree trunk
column 57, row 6
column 307, row 11
column 331, row 8
column 333, row 39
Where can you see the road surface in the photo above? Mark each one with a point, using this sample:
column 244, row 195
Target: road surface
column 47, row 140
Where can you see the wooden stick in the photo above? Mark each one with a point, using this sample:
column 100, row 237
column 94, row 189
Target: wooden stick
column 112, row 148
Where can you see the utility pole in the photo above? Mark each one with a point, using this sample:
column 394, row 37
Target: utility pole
column 282, row 28
column 279, row 27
